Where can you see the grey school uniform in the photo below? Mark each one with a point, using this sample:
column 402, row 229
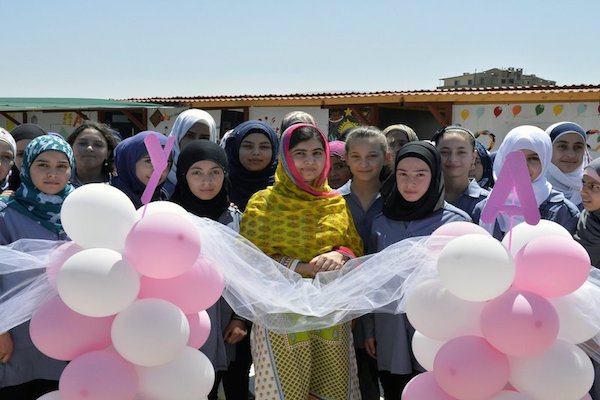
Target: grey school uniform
column 393, row 333
column 555, row 208
column 362, row 218
column 27, row 362
column 472, row 195
column 220, row 313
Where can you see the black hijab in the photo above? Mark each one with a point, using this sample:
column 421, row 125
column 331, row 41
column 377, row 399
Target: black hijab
column 200, row 150
column 395, row 206
column 245, row 183
column 23, row 131
column 588, row 226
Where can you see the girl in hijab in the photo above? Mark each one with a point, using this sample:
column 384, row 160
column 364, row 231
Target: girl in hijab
column 93, row 146
column 339, row 173
column 203, row 189
column 305, row 225
column 569, row 142
column 252, row 153
column 8, row 150
column 33, row 212
column 190, row 125
column 413, row 205
column 535, row 144
column 457, row 150
column 483, row 171
column 23, row 134
column 397, row 136
column 134, row 168
column 588, row 226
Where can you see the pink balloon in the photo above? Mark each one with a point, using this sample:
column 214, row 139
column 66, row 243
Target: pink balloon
column 469, row 368
column 58, row 258
column 424, row 386
column 551, row 266
column 199, row 329
column 193, row 291
column 520, row 324
column 587, row 397
column 459, row 228
column 162, row 245
column 99, row 375
column 61, row 333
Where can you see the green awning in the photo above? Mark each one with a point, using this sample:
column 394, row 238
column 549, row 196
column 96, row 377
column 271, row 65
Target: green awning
column 18, row 104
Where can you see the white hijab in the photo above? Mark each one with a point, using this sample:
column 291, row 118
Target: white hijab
column 182, row 124
column 567, row 183
column 530, row 138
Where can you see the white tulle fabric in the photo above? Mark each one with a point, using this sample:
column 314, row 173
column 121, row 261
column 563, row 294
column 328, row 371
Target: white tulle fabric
column 263, row 291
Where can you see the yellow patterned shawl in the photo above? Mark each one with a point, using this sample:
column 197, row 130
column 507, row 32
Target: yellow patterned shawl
column 286, row 220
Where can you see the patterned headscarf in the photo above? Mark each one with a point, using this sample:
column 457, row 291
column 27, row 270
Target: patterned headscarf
column 245, row 183
column 183, row 123
column 127, row 153
column 29, row 200
column 294, row 219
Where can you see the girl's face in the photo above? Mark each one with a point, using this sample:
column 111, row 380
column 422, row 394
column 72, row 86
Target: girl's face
column 568, row 151
column 396, row 139
column 590, row 193
column 413, row 178
column 144, row 170
column 476, row 171
column 457, row 155
column 365, row 159
column 255, row 152
column 7, row 159
column 339, row 173
column 196, row 132
column 309, row 159
column 534, row 165
column 50, row 171
column 21, row 144
column 205, row 179
column 90, row 149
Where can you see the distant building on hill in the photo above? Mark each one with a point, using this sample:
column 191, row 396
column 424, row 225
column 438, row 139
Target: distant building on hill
column 494, row 77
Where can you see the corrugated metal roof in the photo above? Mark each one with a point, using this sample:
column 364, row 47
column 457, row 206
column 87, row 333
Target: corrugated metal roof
column 453, row 94
column 8, row 104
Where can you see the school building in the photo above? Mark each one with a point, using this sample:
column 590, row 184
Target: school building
column 490, row 112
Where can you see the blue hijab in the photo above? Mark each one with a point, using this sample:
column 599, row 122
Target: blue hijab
column 29, row 200
column 127, row 153
column 487, row 179
column 245, row 183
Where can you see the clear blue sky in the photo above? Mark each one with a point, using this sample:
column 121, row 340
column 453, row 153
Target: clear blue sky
column 134, row 48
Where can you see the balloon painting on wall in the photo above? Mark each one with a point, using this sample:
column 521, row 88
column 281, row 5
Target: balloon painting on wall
column 539, row 109
column 497, row 111
column 464, row 114
column 516, row 110
column 557, row 109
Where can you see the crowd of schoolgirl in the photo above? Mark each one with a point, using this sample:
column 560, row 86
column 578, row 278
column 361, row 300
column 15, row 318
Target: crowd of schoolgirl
column 358, row 196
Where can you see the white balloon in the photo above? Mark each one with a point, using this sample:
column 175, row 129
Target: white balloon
column 97, row 282
column 476, row 267
column 190, row 376
column 98, row 215
column 55, row 395
column 161, row 206
column 425, row 348
column 577, row 313
column 564, row 371
column 438, row 314
column 523, row 233
column 150, row 332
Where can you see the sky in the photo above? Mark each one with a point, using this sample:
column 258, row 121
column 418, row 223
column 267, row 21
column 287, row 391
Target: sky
column 149, row 48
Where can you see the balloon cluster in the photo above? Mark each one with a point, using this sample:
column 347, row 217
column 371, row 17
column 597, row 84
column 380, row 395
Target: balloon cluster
column 500, row 322
column 132, row 293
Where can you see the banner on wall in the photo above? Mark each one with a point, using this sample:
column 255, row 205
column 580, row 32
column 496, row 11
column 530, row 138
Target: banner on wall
column 491, row 122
